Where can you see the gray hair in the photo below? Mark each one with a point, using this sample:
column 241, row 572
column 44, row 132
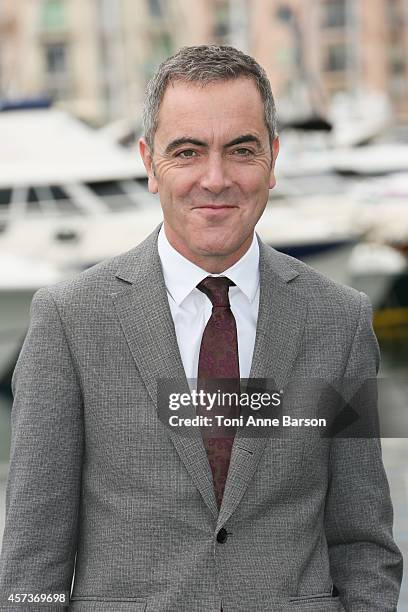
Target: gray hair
column 205, row 64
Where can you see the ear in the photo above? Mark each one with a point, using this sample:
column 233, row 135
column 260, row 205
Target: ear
column 147, row 158
column 275, row 151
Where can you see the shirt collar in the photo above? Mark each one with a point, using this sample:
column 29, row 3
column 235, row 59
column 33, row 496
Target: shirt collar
column 181, row 275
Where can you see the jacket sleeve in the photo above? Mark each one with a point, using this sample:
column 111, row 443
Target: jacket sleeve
column 44, row 481
column 366, row 564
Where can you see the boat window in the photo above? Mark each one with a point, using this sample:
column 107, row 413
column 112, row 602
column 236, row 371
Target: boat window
column 33, row 204
column 5, row 197
column 63, row 201
column 141, row 182
column 113, row 194
column 106, row 188
column 32, row 195
column 50, row 199
column 58, row 193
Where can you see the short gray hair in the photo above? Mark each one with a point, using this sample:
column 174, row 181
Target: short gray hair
column 205, row 64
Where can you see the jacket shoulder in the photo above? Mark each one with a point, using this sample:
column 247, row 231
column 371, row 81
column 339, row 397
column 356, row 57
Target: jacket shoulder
column 107, row 276
column 322, row 294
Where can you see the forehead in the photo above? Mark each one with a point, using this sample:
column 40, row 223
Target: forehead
column 218, row 109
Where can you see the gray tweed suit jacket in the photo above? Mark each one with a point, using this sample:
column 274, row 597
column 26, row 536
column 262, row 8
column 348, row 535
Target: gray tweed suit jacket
column 103, row 498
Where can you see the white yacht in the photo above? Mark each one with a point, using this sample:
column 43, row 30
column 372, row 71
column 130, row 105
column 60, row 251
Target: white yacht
column 61, row 183
column 68, row 198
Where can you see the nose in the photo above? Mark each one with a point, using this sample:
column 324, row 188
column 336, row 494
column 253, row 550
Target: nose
column 214, row 177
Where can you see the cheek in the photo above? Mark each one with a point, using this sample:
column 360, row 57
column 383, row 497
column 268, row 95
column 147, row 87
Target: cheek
column 178, row 187
column 254, row 177
column 256, row 187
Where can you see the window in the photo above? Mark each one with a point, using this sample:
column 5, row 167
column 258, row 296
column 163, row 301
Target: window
column 63, row 203
column 53, row 17
column 112, row 193
column 32, row 195
column 33, row 204
column 58, row 193
column 155, row 8
column 57, row 78
column 56, row 58
column 336, row 58
column 50, row 199
column 221, row 25
column 5, row 197
column 284, row 13
column 141, row 182
column 396, row 59
column 334, row 13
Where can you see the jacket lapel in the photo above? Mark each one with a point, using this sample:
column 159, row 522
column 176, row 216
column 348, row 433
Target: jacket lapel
column 281, row 320
column 145, row 317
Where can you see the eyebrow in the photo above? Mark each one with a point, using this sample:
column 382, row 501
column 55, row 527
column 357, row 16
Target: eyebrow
column 194, row 141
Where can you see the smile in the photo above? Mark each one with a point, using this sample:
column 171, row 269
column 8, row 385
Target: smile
column 211, row 208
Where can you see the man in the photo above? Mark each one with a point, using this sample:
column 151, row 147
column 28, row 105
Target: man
column 154, row 520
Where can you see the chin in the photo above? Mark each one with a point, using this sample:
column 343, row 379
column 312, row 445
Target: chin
column 216, row 247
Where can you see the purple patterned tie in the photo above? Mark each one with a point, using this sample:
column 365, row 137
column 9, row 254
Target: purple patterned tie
column 219, row 360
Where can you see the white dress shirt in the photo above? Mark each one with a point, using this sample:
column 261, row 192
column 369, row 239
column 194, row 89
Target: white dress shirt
column 191, row 308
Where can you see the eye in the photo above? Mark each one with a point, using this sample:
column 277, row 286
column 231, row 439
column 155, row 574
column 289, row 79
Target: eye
column 186, row 154
column 243, row 152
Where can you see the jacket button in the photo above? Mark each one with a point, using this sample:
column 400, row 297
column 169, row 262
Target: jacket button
column 222, row 536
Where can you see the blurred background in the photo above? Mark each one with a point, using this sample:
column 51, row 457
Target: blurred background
column 73, row 190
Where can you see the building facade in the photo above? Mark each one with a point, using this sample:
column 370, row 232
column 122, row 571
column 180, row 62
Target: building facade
column 95, row 57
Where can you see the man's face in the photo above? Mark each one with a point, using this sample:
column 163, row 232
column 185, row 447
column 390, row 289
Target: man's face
column 212, row 167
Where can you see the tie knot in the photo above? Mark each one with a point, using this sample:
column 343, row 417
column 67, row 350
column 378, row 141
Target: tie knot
column 216, row 289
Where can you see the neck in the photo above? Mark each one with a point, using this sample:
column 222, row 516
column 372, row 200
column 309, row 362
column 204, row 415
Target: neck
column 211, row 263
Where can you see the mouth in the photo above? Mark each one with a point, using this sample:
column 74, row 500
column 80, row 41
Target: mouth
column 215, row 207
